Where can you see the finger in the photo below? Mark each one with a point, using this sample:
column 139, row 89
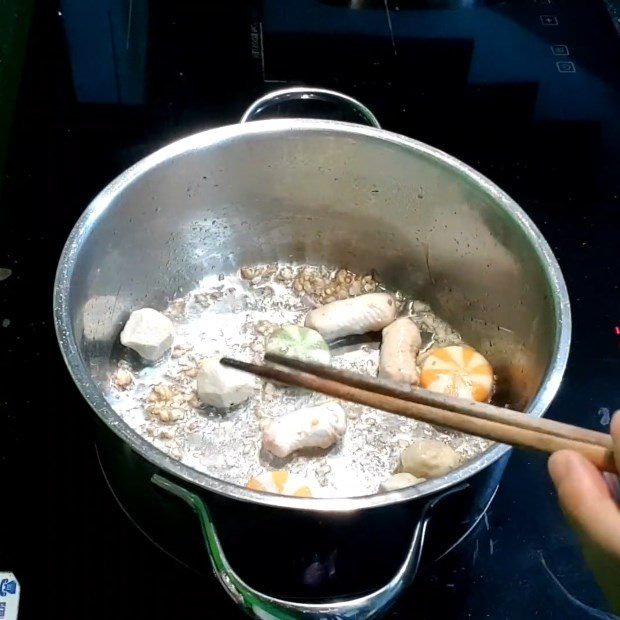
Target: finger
column 614, row 429
column 586, row 500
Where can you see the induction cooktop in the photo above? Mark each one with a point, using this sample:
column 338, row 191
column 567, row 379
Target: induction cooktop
column 527, row 92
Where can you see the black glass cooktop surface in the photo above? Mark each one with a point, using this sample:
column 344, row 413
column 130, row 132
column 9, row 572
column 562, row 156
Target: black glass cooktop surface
column 527, row 92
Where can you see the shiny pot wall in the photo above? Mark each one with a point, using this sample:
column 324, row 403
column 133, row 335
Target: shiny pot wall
column 319, row 192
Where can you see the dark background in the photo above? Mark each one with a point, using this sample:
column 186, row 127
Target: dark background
column 104, row 84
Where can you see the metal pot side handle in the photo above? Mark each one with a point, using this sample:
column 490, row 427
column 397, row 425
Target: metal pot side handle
column 265, row 607
column 296, row 93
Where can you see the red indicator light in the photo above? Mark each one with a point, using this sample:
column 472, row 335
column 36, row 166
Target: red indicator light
column 617, row 330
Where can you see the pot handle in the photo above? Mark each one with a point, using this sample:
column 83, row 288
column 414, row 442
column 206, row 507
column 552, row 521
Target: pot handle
column 296, row 93
column 265, row 607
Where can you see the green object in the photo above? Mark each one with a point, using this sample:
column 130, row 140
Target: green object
column 254, row 604
column 301, row 343
column 15, row 17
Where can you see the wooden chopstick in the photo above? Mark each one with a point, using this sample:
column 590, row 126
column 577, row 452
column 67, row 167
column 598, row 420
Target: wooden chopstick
column 483, row 411
column 501, row 431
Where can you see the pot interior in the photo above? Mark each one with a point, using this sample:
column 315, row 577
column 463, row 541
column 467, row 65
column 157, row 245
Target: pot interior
column 320, row 193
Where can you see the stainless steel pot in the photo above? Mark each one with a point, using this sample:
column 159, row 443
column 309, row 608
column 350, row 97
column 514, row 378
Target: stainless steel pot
column 321, row 192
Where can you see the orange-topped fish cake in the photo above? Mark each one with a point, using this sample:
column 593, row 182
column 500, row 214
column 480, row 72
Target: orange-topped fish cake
column 280, row 482
column 458, row 371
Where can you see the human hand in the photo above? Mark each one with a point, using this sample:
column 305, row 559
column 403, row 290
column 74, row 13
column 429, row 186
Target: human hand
column 589, row 501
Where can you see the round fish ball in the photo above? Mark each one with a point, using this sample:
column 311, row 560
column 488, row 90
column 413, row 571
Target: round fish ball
column 458, row 371
column 429, row 459
column 301, row 343
column 282, row 483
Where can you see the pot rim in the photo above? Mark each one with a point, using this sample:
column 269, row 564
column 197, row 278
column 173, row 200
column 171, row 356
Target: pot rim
column 210, row 138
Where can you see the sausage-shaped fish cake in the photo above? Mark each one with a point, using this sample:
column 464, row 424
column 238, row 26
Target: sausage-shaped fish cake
column 400, row 344
column 310, row 427
column 353, row 316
